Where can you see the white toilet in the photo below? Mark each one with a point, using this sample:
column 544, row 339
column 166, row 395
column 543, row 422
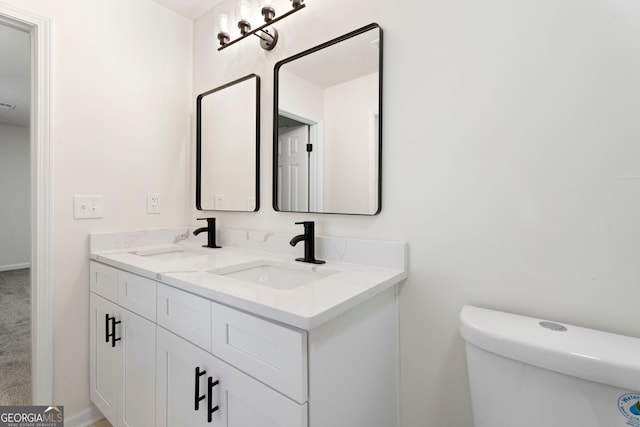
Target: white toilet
column 525, row 372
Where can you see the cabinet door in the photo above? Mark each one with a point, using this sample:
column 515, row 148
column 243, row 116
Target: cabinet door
column 183, row 370
column 138, row 372
column 241, row 400
column 103, row 363
column 122, row 377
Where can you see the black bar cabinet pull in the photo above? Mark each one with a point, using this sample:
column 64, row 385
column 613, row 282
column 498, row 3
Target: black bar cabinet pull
column 113, row 331
column 106, row 328
column 108, row 319
column 198, row 398
column 212, row 384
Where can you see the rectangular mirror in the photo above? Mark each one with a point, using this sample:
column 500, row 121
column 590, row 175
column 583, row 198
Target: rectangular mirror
column 327, row 127
column 228, row 146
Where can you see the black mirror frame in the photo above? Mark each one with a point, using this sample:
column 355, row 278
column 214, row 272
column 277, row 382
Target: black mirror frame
column 199, row 141
column 275, row 115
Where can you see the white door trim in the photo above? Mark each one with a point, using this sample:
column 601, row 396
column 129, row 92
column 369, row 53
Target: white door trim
column 41, row 199
column 316, row 137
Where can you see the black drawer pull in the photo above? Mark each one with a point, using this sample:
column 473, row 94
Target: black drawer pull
column 113, row 331
column 212, row 409
column 198, row 398
column 106, row 328
column 111, row 335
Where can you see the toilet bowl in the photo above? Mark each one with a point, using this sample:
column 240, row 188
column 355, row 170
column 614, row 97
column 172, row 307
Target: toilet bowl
column 526, row 372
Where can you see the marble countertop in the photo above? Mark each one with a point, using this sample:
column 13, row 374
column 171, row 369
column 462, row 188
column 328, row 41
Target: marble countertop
column 305, row 306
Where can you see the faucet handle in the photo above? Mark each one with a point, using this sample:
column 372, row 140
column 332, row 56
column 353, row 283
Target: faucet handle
column 309, row 226
column 211, row 222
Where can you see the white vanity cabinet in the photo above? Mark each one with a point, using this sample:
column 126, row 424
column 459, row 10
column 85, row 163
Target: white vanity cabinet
column 342, row 373
column 122, row 346
column 191, row 361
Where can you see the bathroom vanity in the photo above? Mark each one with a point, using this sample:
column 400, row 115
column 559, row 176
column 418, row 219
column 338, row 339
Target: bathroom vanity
column 243, row 336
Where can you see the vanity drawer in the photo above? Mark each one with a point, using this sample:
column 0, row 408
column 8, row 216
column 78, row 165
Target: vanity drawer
column 138, row 294
column 185, row 314
column 103, row 280
column 271, row 353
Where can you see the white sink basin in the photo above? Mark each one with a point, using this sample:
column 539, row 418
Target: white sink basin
column 275, row 275
column 168, row 254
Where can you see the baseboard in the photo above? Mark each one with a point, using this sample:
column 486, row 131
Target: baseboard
column 15, row 266
column 83, row 419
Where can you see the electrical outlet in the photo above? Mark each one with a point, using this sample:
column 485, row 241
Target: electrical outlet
column 218, row 201
column 85, row 207
column 153, row 203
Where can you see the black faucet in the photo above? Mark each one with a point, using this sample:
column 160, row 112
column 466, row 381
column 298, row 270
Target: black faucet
column 309, row 243
column 211, row 233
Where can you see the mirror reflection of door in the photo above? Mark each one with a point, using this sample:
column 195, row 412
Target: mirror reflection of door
column 293, row 162
column 300, row 163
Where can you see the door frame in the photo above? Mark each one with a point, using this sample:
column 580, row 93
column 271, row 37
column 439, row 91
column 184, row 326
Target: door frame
column 316, row 166
column 41, row 199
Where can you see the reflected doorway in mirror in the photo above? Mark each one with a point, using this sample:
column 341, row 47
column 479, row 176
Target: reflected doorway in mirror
column 300, row 162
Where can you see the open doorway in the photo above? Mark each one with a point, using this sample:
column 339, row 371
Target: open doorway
column 40, row 194
column 300, row 163
column 15, row 216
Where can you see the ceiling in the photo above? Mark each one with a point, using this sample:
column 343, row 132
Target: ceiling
column 191, row 9
column 356, row 57
column 14, row 75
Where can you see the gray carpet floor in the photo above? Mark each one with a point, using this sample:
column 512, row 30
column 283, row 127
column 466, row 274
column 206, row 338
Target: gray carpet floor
column 15, row 337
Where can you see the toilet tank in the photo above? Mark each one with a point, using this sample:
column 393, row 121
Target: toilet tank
column 527, row 372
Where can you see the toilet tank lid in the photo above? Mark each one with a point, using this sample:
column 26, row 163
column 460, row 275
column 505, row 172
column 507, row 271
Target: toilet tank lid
column 580, row 352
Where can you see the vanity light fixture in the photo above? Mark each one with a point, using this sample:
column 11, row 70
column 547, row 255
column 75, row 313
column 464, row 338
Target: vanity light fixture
column 243, row 10
column 266, row 33
column 223, row 26
column 268, row 12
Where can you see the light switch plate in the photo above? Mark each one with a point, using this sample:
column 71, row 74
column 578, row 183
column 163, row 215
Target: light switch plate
column 86, row 207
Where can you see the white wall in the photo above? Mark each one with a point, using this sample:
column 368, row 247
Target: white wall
column 348, row 109
column 300, row 96
column 121, row 84
column 15, row 194
column 510, row 164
